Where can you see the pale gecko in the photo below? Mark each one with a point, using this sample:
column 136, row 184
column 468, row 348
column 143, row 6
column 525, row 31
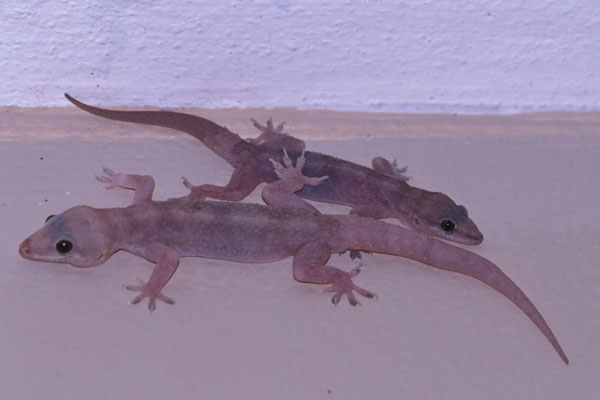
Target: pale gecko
column 164, row 231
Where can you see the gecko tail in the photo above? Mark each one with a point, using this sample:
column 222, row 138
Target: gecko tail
column 465, row 262
column 198, row 127
column 395, row 240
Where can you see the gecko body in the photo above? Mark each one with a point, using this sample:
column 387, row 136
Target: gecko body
column 164, row 231
column 381, row 192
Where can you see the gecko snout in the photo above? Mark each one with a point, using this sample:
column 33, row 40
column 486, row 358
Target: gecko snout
column 24, row 248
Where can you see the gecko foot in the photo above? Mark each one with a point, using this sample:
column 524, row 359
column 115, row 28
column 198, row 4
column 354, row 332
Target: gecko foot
column 347, row 287
column 274, row 137
column 390, row 168
column 151, row 293
column 111, row 178
column 288, row 172
column 142, row 185
column 269, row 128
column 355, row 254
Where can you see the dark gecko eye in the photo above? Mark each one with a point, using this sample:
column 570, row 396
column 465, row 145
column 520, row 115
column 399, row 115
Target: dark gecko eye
column 49, row 218
column 447, row 225
column 63, row 246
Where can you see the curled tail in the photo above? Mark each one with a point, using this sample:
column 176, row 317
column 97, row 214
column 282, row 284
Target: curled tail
column 395, row 240
column 216, row 137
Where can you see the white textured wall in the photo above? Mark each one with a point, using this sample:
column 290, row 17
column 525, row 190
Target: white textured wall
column 430, row 55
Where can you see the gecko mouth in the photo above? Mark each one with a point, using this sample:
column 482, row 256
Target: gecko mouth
column 91, row 263
column 475, row 239
column 470, row 239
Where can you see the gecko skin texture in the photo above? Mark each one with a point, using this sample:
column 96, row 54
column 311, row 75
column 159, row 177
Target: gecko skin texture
column 381, row 192
column 164, row 231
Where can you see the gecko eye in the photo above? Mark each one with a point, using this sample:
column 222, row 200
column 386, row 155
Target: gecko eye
column 63, row 246
column 48, row 218
column 447, row 225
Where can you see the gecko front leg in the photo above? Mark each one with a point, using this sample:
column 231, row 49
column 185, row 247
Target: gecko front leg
column 166, row 260
column 281, row 193
column 142, row 185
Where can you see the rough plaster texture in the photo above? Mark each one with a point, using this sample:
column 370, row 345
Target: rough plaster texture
column 451, row 56
column 241, row 331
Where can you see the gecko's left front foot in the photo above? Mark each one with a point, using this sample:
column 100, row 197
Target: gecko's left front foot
column 151, row 293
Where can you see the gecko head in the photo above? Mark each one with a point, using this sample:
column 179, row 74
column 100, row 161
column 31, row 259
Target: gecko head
column 78, row 236
column 439, row 216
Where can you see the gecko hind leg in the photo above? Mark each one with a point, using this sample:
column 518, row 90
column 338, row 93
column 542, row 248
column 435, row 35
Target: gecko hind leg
column 310, row 265
column 274, row 136
column 389, row 168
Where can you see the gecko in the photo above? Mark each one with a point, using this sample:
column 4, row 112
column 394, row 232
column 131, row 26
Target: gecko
column 379, row 192
column 164, row 231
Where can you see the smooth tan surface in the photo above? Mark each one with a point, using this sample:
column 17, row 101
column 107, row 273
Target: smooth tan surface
column 250, row 331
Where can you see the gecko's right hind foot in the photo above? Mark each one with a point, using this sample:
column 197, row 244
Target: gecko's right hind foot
column 390, row 168
column 275, row 136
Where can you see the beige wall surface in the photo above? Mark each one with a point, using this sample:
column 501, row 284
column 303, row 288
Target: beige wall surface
column 242, row 331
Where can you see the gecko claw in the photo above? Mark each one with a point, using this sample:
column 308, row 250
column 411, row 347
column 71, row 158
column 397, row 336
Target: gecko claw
column 187, row 183
column 351, row 299
column 287, row 161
